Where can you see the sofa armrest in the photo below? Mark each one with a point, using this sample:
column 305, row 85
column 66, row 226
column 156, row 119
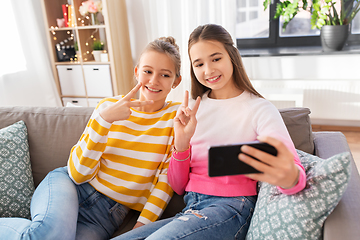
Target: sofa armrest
column 343, row 222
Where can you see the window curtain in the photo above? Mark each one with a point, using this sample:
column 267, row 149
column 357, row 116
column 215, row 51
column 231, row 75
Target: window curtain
column 151, row 19
column 26, row 77
column 118, row 22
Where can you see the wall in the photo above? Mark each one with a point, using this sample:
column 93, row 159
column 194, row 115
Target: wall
column 327, row 84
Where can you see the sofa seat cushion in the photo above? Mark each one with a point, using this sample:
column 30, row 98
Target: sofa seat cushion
column 16, row 180
column 302, row 215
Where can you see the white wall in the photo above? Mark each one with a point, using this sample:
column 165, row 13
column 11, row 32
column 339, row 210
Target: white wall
column 327, row 84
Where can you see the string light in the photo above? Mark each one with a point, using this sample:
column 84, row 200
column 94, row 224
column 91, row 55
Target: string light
column 68, row 43
column 62, row 44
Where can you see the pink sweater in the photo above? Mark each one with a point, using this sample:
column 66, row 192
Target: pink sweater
column 228, row 121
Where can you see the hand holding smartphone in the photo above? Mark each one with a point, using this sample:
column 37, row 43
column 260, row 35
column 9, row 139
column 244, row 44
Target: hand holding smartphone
column 224, row 160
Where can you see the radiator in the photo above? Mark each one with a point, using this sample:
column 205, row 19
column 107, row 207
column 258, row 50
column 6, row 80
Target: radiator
column 334, row 102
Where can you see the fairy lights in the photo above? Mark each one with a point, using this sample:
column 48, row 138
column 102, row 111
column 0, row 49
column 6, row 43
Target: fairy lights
column 68, row 41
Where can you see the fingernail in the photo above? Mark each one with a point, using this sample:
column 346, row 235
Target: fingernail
column 260, row 138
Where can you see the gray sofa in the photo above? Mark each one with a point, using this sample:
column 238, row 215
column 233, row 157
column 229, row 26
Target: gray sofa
column 53, row 131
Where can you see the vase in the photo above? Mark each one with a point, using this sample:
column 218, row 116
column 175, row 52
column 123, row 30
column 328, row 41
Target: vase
column 334, row 37
column 94, row 19
column 78, row 55
column 97, row 55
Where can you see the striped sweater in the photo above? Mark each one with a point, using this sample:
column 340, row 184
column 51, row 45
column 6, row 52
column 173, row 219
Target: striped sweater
column 127, row 160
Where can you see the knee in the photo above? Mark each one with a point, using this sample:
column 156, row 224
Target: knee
column 59, row 174
column 61, row 170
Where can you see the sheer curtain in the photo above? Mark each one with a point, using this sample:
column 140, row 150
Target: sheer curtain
column 150, row 19
column 25, row 72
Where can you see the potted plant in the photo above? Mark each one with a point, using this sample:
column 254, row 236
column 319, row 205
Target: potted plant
column 97, row 47
column 332, row 20
column 76, row 47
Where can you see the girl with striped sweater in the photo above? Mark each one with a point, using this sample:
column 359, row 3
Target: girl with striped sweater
column 119, row 163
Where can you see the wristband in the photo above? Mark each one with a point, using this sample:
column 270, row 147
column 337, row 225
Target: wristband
column 181, row 160
column 175, row 152
column 296, row 182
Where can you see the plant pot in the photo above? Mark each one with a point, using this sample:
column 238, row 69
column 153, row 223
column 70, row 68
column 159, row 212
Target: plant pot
column 333, row 37
column 97, row 55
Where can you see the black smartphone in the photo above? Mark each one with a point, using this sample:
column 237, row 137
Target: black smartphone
column 224, row 160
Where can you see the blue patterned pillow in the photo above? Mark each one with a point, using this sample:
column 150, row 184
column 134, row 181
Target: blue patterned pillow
column 301, row 216
column 16, row 180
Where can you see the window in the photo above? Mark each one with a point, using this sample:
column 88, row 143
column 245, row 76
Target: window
column 252, row 20
column 13, row 59
column 256, row 28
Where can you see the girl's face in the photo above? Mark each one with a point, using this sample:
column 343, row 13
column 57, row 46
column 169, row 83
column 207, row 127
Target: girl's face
column 156, row 72
column 213, row 68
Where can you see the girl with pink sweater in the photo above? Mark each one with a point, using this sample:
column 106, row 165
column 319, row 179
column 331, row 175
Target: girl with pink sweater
column 224, row 109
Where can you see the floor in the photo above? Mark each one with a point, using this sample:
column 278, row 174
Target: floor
column 352, row 135
column 353, row 139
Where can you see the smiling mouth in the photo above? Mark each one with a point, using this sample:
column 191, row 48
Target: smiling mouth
column 153, row 89
column 213, row 79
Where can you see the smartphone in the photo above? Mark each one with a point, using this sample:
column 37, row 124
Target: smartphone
column 224, row 160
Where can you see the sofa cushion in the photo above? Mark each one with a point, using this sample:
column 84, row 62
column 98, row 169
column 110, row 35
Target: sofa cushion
column 16, row 180
column 301, row 216
column 297, row 121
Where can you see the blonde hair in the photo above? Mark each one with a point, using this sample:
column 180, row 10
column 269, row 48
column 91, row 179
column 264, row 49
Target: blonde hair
column 218, row 33
column 168, row 46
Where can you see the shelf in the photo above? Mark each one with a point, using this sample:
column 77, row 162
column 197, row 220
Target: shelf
column 67, row 43
column 97, row 63
column 76, row 27
column 67, row 63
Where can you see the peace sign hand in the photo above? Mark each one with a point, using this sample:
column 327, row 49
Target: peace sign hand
column 185, row 123
column 121, row 109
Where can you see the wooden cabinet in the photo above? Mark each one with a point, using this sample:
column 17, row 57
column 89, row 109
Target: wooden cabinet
column 80, row 78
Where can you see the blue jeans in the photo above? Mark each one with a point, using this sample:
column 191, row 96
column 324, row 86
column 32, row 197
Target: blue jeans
column 204, row 217
column 63, row 210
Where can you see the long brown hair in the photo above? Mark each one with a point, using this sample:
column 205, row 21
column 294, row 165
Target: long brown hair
column 218, row 33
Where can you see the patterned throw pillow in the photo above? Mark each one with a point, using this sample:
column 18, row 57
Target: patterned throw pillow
column 301, row 216
column 16, row 180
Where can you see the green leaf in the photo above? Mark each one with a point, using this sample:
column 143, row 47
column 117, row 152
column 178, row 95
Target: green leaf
column 314, row 20
column 266, row 3
column 323, row 12
column 305, row 4
column 279, row 10
column 321, row 22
